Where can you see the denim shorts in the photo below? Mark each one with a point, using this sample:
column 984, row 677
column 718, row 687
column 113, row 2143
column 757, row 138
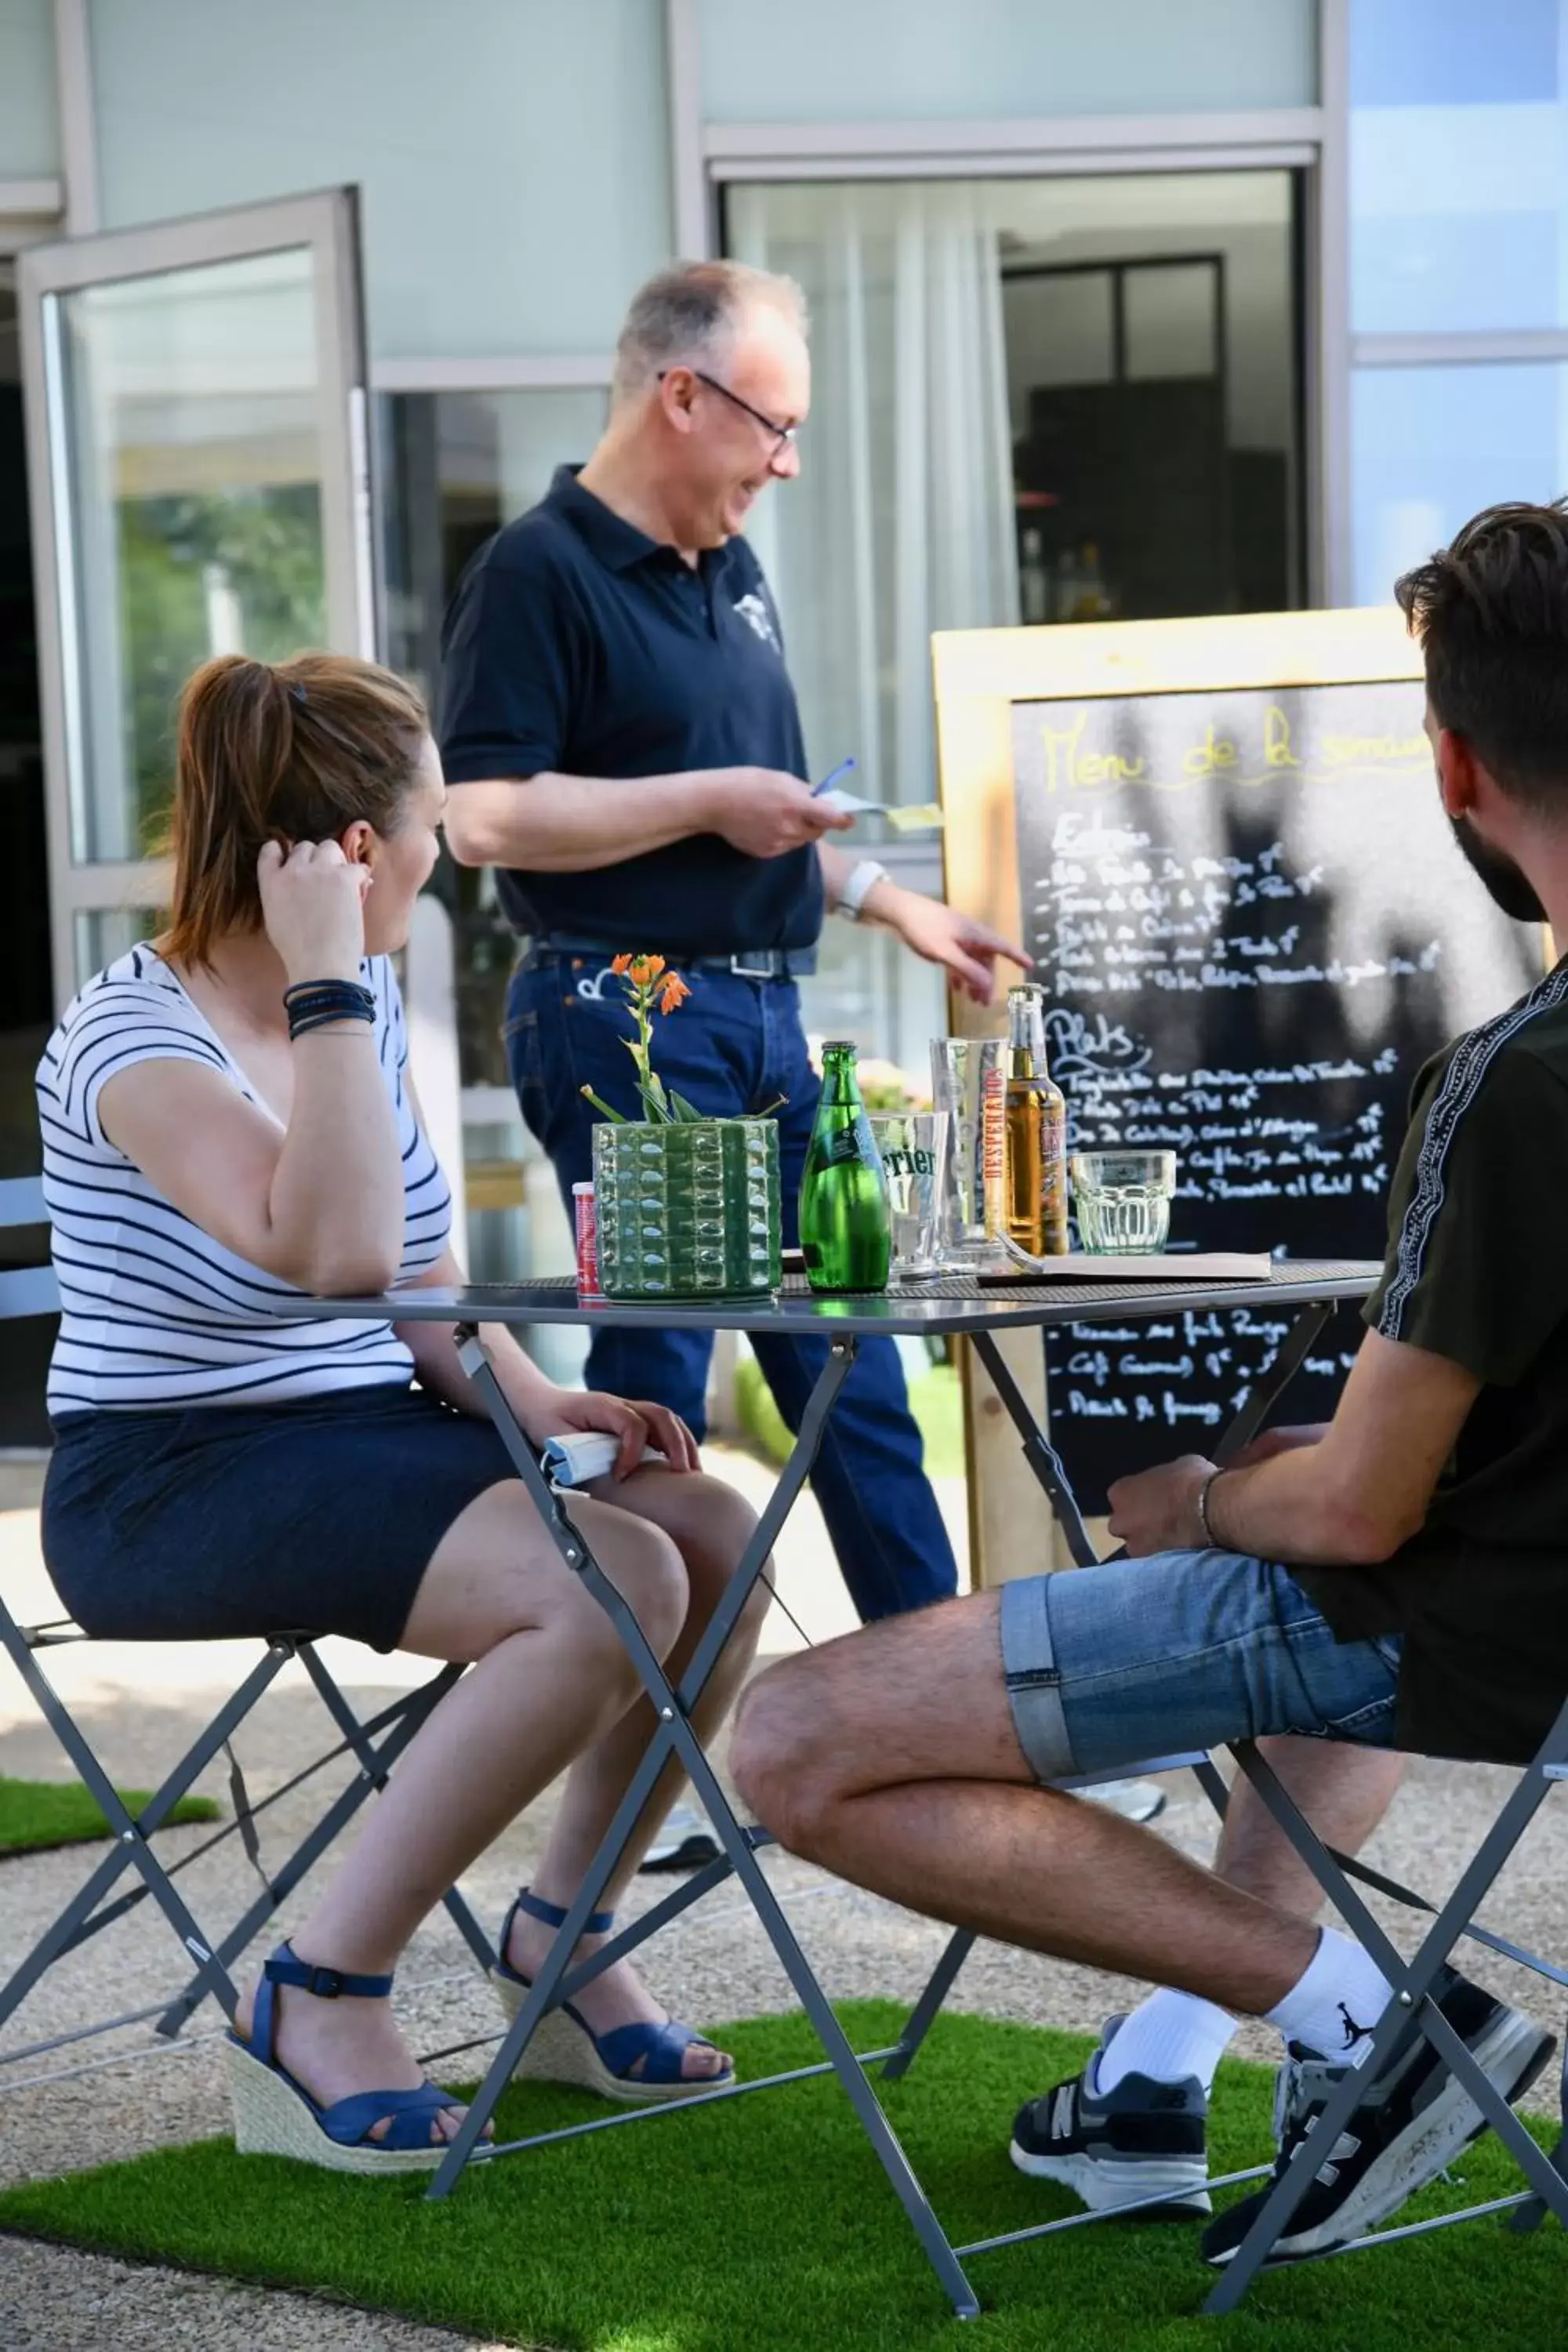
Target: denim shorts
column 1138, row 1658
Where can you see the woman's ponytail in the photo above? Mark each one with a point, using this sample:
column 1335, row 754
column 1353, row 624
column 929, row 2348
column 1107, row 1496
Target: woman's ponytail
column 286, row 752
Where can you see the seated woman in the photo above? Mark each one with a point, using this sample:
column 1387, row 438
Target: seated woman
column 228, row 1121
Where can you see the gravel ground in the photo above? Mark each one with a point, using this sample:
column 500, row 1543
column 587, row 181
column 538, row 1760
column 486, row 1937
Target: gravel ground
column 135, row 2093
column 55, row 2300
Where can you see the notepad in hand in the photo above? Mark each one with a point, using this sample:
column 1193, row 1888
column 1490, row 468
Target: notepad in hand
column 927, row 818
column 1155, row 1265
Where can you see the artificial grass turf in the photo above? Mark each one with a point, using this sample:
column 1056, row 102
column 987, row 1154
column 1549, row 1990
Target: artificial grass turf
column 38, row 1813
column 765, row 2224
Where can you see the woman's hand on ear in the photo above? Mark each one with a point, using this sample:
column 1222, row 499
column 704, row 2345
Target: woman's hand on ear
column 312, row 905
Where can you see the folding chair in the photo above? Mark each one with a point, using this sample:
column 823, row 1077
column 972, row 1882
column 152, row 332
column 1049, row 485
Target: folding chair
column 1412, row 2011
column 375, row 1743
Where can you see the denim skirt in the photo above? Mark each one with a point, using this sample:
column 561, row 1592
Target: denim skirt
column 200, row 1523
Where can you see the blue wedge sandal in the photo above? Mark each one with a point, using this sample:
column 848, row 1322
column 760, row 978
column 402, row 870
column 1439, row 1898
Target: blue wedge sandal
column 565, row 2048
column 276, row 2115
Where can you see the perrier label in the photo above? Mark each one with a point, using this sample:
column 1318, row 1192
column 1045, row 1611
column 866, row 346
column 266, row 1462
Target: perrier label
column 844, row 1229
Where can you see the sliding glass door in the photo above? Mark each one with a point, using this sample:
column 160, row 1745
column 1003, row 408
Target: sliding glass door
column 1040, row 400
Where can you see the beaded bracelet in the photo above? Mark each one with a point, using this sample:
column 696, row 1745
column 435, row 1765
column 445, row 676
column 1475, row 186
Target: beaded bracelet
column 1211, row 1542
column 313, row 1004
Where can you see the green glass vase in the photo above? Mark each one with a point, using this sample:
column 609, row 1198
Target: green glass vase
column 690, row 1211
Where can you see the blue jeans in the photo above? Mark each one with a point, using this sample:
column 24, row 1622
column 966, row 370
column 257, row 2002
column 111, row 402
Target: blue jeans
column 734, row 1049
column 1107, row 1666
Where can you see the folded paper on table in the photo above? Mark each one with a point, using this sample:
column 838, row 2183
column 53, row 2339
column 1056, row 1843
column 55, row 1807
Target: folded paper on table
column 1152, row 1265
column 586, row 1455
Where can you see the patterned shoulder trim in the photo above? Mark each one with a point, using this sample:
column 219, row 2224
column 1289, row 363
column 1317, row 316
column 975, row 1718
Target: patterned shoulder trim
column 1473, row 1057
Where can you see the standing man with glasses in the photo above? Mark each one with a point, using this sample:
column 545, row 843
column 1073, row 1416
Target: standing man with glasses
column 623, row 743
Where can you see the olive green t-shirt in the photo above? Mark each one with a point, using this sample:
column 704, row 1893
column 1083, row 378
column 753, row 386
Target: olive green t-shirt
column 1478, row 1270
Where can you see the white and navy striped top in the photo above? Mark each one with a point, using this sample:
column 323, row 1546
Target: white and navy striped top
column 156, row 1313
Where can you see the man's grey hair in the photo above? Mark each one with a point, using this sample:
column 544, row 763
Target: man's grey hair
column 689, row 316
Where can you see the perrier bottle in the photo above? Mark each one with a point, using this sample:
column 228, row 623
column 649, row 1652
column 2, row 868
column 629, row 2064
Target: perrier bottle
column 1034, row 1117
column 844, row 1229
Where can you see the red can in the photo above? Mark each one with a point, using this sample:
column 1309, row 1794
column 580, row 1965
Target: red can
column 587, row 1240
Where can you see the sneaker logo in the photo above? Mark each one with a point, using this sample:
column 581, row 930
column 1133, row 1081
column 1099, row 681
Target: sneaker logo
column 1353, row 2033
column 1062, row 2112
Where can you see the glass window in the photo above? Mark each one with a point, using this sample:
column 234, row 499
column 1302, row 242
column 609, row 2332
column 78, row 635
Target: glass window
column 1059, row 327
column 1033, row 400
column 459, row 464
column 924, row 61
column 103, row 934
column 1173, row 322
column 1056, row 399
column 1433, row 445
column 29, row 131
column 1459, row 144
column 194, row 432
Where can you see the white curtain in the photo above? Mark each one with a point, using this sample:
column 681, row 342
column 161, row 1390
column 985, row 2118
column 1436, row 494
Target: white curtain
column 901, row 521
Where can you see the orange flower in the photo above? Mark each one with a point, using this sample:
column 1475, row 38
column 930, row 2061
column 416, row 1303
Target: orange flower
column 645, row 969
column 621, row 965
column 674, row 993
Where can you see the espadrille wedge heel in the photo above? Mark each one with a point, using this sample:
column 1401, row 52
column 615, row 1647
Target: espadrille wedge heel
column 563, row 2047
column 276, row 2115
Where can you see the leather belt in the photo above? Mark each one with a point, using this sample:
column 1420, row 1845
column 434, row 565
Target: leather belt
column 745, row 963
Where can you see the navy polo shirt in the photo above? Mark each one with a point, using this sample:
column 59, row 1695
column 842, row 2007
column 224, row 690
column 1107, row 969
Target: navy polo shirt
column 575, row 643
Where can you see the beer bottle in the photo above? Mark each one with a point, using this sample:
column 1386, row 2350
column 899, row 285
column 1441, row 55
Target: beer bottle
column 844, row 1228
column 1034, row 1118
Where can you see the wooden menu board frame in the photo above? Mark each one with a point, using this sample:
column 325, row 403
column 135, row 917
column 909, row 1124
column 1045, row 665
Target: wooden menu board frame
column 979, row 674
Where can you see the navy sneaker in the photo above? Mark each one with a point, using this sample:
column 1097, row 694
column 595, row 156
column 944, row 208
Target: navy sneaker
column 1405, row 2129
column 1142, row 2144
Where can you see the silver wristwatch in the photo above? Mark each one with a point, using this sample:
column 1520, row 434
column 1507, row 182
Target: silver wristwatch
column 862, row 881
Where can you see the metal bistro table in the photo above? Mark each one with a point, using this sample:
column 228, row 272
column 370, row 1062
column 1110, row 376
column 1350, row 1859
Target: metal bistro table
column 955, row 1304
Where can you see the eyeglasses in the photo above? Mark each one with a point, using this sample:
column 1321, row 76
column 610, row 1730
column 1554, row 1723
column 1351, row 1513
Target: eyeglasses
column 782, row 437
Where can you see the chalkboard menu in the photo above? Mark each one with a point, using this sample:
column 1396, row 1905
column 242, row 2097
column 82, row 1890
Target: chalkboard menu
column 1253, row 927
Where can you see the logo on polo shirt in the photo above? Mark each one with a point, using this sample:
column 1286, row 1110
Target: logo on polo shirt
column 753, row 609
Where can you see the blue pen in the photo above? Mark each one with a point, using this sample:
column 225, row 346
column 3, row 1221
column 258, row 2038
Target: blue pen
column 841, row 770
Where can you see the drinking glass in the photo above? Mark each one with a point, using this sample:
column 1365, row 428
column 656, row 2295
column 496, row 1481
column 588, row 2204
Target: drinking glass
column 912, row 1146
column 1124, row 1199
column 961, row 1070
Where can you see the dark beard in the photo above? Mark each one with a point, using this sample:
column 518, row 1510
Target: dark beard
column 1506, row 882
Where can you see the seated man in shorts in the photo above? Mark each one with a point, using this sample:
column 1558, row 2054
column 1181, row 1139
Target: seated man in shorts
column 1394, row 1579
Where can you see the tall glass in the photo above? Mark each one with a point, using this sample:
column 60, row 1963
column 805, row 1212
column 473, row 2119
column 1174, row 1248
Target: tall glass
column 966, row 1074
column 912, row 1148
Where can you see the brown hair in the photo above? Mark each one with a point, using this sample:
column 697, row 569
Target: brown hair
column 287, row 751
column 1491, row 613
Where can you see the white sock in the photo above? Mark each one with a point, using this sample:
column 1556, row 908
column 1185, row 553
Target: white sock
column 1337, row 2001
column 1168, row 2037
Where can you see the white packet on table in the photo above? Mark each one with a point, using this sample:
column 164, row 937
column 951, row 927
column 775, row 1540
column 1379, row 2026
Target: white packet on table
column 585, row 1454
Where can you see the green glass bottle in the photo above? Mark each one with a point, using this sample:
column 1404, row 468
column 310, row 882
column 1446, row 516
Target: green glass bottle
column 844, row 1228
